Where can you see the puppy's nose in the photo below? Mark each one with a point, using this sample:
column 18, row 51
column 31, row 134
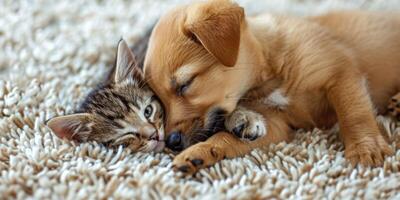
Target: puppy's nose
column 174, row 141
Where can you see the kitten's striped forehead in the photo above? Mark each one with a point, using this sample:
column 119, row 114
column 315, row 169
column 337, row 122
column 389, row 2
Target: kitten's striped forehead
column 114, row 101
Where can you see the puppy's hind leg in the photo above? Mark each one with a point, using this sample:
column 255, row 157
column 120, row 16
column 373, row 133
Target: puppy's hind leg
column 361, row 135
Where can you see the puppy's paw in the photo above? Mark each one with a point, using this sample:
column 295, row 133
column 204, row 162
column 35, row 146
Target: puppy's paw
column 394, row 107
column 196, row 157
column 246, row 124
column 371, row 151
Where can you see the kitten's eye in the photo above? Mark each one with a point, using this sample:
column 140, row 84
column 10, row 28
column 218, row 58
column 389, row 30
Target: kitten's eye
column 131, row 133
column 148, row 111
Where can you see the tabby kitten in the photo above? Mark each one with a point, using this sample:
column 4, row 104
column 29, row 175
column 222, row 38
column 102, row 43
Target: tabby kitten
column 124, row 111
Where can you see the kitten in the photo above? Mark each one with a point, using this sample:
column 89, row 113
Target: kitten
column 123, row 111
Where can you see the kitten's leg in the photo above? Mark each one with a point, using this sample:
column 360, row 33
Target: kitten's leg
column 359, row 130
column 246, row 124
column 394, row 106
column 226, row 145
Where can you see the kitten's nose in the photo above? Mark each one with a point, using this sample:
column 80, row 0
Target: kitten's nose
column 174, row 141
column 154, row 136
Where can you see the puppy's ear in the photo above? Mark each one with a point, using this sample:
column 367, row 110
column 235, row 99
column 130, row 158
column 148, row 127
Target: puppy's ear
column 216, row 25
column 126, row 65
column 72, row 127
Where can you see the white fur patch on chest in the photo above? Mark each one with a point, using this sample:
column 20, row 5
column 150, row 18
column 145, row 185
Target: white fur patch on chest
column 277, row 99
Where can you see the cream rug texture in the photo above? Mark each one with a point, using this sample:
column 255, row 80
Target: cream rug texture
column 53, row 52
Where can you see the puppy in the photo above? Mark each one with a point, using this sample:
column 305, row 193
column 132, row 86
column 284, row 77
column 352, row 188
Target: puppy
column 270, row 75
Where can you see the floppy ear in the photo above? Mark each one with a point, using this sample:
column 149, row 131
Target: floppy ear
column 72, row 127
column 126, row 65
column 216, row 25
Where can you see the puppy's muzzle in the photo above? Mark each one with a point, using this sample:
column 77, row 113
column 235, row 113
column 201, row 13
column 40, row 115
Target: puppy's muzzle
column 175, row 141
column 215, row 122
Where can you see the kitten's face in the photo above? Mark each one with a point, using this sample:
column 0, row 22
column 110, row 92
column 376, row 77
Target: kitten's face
column 126, row 114
column 125, row 111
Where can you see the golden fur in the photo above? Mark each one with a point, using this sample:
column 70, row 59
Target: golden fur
column 339, row 67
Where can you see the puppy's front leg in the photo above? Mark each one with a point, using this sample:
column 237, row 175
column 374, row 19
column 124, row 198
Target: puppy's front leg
column 359, row 130
column 246, row 124
column 204, row 154
column 226, row 145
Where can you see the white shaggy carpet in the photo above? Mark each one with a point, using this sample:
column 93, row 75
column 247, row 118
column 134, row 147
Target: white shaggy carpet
column 53, row 52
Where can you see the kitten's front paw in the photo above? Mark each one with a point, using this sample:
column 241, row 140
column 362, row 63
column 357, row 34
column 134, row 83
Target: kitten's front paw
column 246, row 124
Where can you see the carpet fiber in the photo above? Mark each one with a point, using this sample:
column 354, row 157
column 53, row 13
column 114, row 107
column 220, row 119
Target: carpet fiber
column 53, row 52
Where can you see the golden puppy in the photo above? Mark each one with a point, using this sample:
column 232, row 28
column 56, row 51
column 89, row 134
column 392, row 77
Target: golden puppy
column 270, row 75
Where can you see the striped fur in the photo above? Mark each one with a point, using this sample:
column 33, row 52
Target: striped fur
column 122, row 111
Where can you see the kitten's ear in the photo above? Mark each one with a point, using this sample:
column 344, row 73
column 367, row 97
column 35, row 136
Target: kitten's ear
column 72, row 127
column 126, row 65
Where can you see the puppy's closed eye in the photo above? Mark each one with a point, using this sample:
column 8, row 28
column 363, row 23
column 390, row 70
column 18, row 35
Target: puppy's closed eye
column 192, row 37
column 181, row 89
